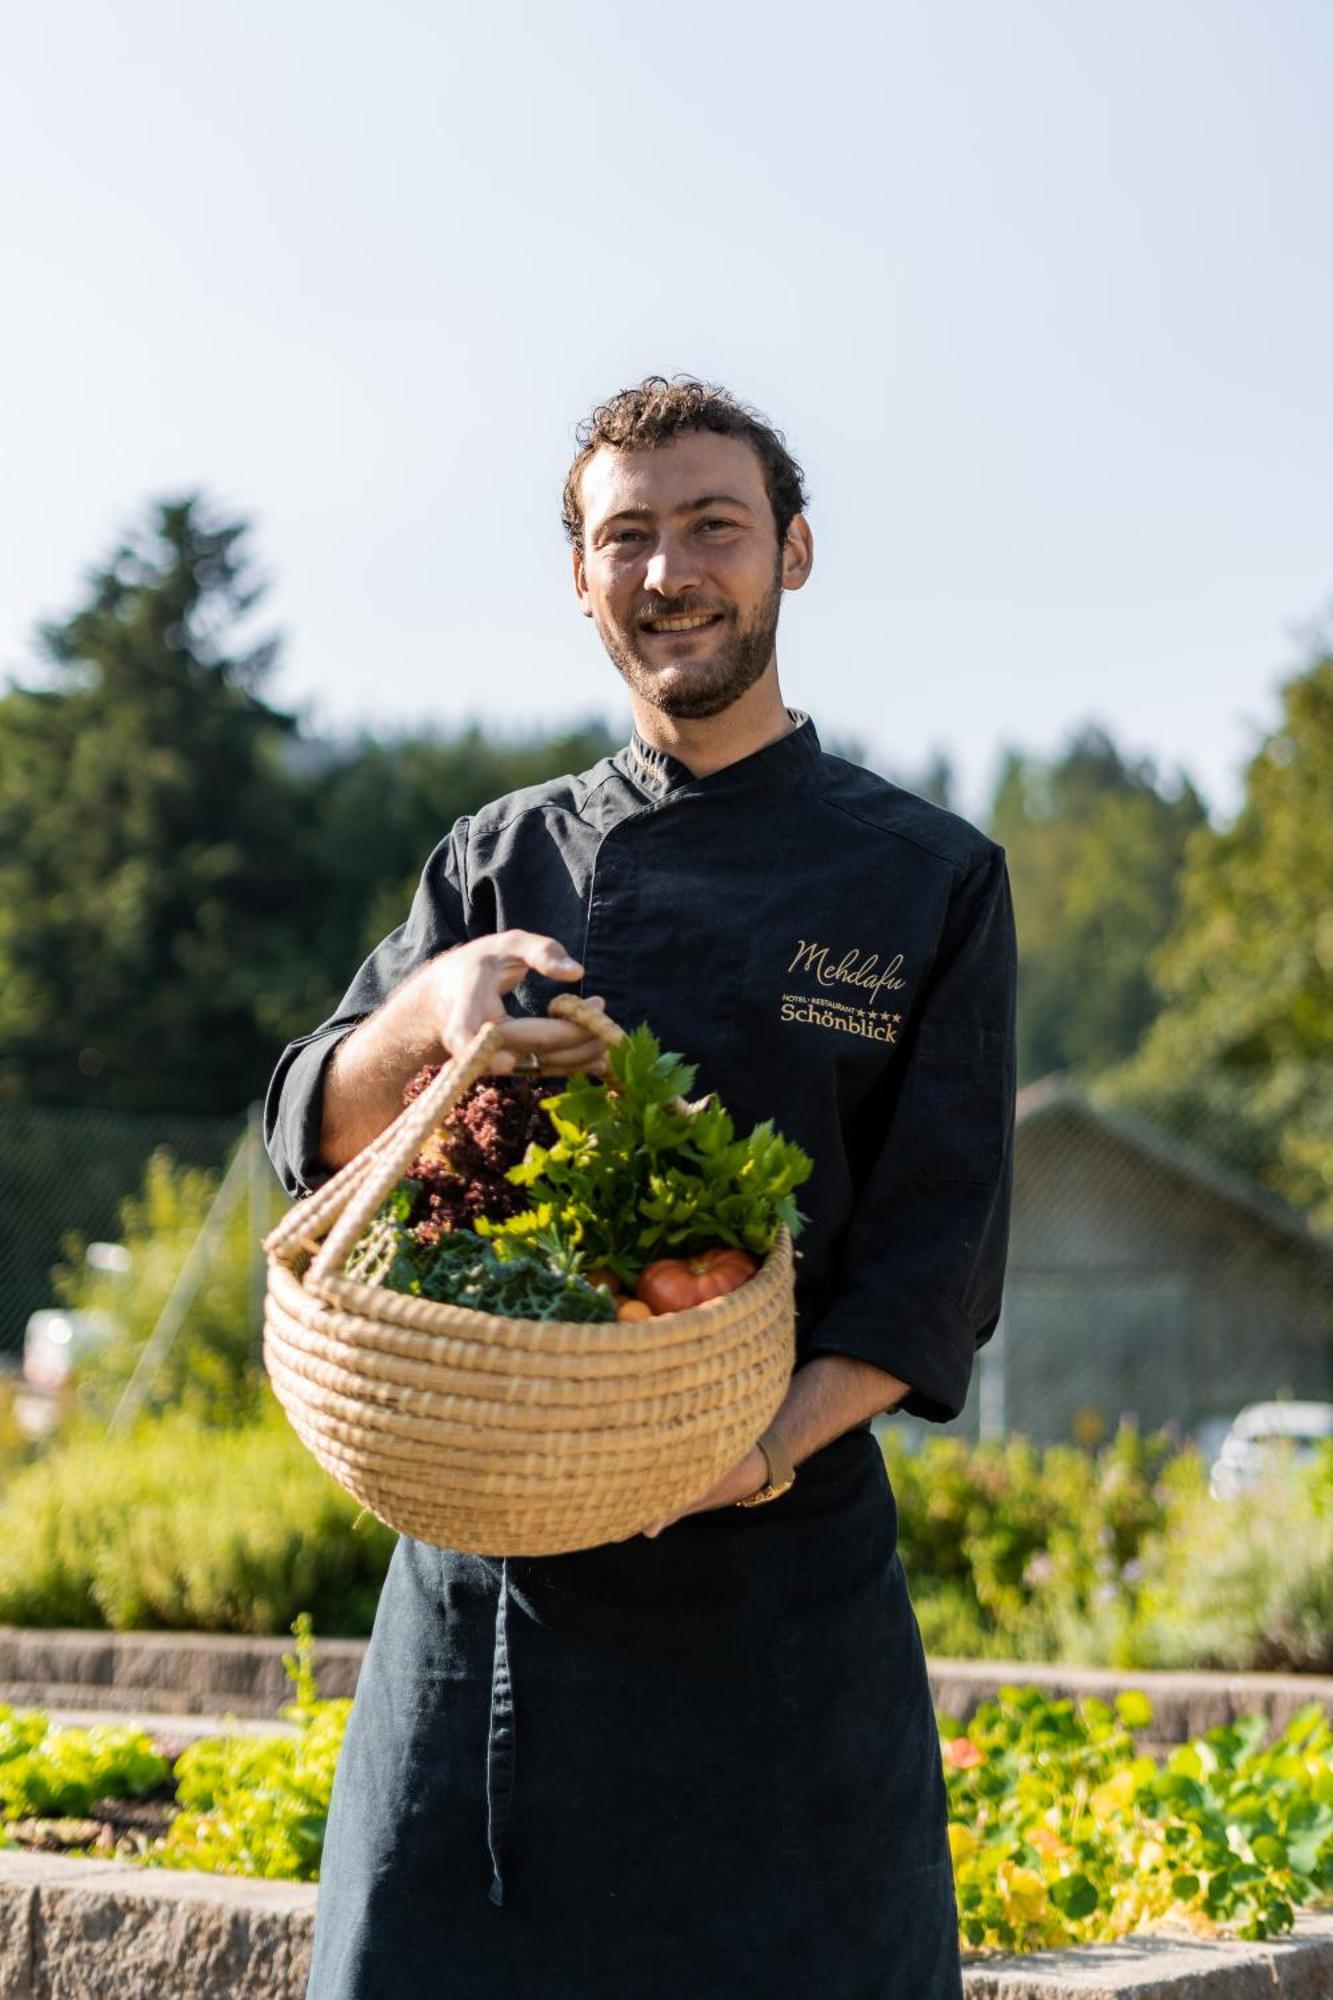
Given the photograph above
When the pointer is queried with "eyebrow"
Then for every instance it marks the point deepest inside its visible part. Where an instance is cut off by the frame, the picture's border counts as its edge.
(687, 507)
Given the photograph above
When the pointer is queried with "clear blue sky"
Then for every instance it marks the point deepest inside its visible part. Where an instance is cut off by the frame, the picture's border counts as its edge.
(1040, 294)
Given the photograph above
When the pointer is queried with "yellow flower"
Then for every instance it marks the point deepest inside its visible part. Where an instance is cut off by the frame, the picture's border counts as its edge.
(1047, 1842)
(962, 1841)
(1111, 1799)
(1022, 1891)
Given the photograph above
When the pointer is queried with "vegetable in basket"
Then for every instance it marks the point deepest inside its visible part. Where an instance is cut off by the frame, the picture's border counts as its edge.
(637, 1174)
(456, 1268)
(636, 1191)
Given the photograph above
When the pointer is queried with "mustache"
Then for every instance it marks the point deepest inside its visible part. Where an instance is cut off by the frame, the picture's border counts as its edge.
(680, 611)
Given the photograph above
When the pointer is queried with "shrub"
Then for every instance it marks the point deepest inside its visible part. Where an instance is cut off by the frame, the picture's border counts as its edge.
(178, 1527)
(1245, 1583)
(212, 1368)
(1015, 1552)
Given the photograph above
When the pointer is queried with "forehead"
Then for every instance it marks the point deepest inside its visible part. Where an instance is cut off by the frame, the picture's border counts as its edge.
(669, 476)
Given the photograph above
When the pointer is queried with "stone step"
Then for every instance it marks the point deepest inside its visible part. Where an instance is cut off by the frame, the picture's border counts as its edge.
(191, 1673)
(86, 1929)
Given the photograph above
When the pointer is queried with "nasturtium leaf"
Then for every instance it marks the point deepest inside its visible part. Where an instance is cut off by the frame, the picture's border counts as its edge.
(1134, 1709)
(1074, 1896)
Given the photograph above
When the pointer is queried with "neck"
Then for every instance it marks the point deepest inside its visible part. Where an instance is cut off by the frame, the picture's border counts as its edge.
(708, 743)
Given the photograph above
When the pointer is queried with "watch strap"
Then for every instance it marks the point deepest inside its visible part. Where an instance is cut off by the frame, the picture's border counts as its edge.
(781, 1471)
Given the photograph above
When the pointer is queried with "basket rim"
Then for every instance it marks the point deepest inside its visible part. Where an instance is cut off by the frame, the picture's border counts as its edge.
(629, 1339)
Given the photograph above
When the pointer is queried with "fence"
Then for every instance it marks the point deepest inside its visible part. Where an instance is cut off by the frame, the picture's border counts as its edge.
(65, 1173)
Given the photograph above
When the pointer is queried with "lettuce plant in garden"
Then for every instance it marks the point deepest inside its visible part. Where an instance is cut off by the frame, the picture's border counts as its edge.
(1063, 1834)
(259, 1805)
(48, 1772)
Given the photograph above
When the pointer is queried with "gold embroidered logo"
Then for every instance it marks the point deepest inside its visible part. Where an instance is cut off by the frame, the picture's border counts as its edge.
(855, 968)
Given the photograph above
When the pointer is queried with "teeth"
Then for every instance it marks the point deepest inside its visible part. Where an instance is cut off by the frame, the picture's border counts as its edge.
(680, 624)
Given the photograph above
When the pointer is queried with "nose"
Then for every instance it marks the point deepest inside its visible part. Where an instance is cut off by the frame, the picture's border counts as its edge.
(671, 568)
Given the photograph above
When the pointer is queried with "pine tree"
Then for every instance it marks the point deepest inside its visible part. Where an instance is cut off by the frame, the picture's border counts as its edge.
(150, 872)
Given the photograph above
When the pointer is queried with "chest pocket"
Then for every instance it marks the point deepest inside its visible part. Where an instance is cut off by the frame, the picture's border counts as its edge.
(960, 1103)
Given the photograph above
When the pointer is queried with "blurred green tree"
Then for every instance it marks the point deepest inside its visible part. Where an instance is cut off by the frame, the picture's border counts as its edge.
(149, 837)
(1241, 1056)
(1095, 846)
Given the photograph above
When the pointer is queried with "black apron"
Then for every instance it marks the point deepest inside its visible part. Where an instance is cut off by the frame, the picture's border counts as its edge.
(701, 1767)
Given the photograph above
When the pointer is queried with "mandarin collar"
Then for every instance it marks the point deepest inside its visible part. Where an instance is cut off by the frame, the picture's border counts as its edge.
(659, 773)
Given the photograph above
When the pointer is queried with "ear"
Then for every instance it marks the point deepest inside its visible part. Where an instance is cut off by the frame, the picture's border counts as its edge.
(798, 554)
(581, 583)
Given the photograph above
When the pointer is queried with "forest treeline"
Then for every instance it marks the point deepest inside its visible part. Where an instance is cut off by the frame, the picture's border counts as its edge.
(186, 879)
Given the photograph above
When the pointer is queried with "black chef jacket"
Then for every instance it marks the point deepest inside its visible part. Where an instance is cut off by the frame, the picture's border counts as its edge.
(839, 956)
(833, 952)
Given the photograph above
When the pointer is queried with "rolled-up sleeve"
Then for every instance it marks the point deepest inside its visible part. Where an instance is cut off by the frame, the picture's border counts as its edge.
(293, 1109)
(920, 1269)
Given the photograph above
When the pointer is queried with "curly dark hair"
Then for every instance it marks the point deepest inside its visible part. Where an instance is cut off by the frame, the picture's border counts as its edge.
(657, 410)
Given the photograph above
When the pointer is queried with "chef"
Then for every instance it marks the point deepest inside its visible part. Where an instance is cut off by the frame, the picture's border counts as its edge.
(700, 1762)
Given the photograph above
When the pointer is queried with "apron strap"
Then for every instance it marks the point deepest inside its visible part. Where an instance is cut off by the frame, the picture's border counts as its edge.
(500, 1742)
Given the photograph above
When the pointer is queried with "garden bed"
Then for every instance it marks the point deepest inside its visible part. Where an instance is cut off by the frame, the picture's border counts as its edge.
(83, 1929)
(189, 1673)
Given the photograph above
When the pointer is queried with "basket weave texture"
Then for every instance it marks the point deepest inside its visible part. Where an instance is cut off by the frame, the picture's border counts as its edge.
(505, 1436)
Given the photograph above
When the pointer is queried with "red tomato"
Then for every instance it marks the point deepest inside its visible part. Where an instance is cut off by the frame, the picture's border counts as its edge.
(672, 1284)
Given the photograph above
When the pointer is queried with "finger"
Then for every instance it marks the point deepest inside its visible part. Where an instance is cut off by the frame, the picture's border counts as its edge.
(584, 1055)
(518, 952)
(551, 1038)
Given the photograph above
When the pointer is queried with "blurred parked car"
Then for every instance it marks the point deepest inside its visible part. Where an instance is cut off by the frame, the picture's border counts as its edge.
(1264, 1435)
(54, 1340)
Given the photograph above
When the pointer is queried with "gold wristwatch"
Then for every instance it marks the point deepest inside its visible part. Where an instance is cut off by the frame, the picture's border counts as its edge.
(781, 1471)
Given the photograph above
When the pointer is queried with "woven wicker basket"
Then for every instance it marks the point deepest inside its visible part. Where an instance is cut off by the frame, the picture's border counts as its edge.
(507, 1436)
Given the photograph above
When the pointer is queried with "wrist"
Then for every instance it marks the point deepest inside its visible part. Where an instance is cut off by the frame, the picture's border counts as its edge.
(756, 1471)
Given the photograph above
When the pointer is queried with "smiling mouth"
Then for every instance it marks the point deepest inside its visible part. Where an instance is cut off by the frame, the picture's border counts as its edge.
(693, 622)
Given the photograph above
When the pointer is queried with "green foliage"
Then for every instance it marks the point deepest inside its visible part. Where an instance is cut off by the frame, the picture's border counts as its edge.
(1240, 1053)
(178, 1527)
(15, 1446)
(1094, 847)
(458, 1269)
(212, 1369)
(633, 1175)
(1245, 1583)
(1063, 1835)
(1015, 1552)
(48, 1772)
(150, 838)
(259, 1805)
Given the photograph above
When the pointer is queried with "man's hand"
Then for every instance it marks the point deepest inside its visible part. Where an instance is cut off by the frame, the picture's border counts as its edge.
(435, 1013)
(743, 1480)
(464, 988)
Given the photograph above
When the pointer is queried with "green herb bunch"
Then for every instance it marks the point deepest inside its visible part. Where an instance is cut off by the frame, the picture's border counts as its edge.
(634, 1174)
(535, 1281)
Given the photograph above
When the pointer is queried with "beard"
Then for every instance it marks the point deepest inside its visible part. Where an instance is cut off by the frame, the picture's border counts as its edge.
(712, 683)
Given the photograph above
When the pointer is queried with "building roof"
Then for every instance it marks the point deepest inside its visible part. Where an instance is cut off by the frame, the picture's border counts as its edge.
(1059, 1094)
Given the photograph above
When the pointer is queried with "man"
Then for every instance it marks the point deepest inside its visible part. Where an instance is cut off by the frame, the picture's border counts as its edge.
(730, 1779)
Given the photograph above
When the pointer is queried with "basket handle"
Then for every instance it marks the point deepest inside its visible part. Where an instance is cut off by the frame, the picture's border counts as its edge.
(398, 1145)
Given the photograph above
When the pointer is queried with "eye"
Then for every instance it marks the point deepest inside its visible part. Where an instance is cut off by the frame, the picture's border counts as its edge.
(627, 534)
(716, 521)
